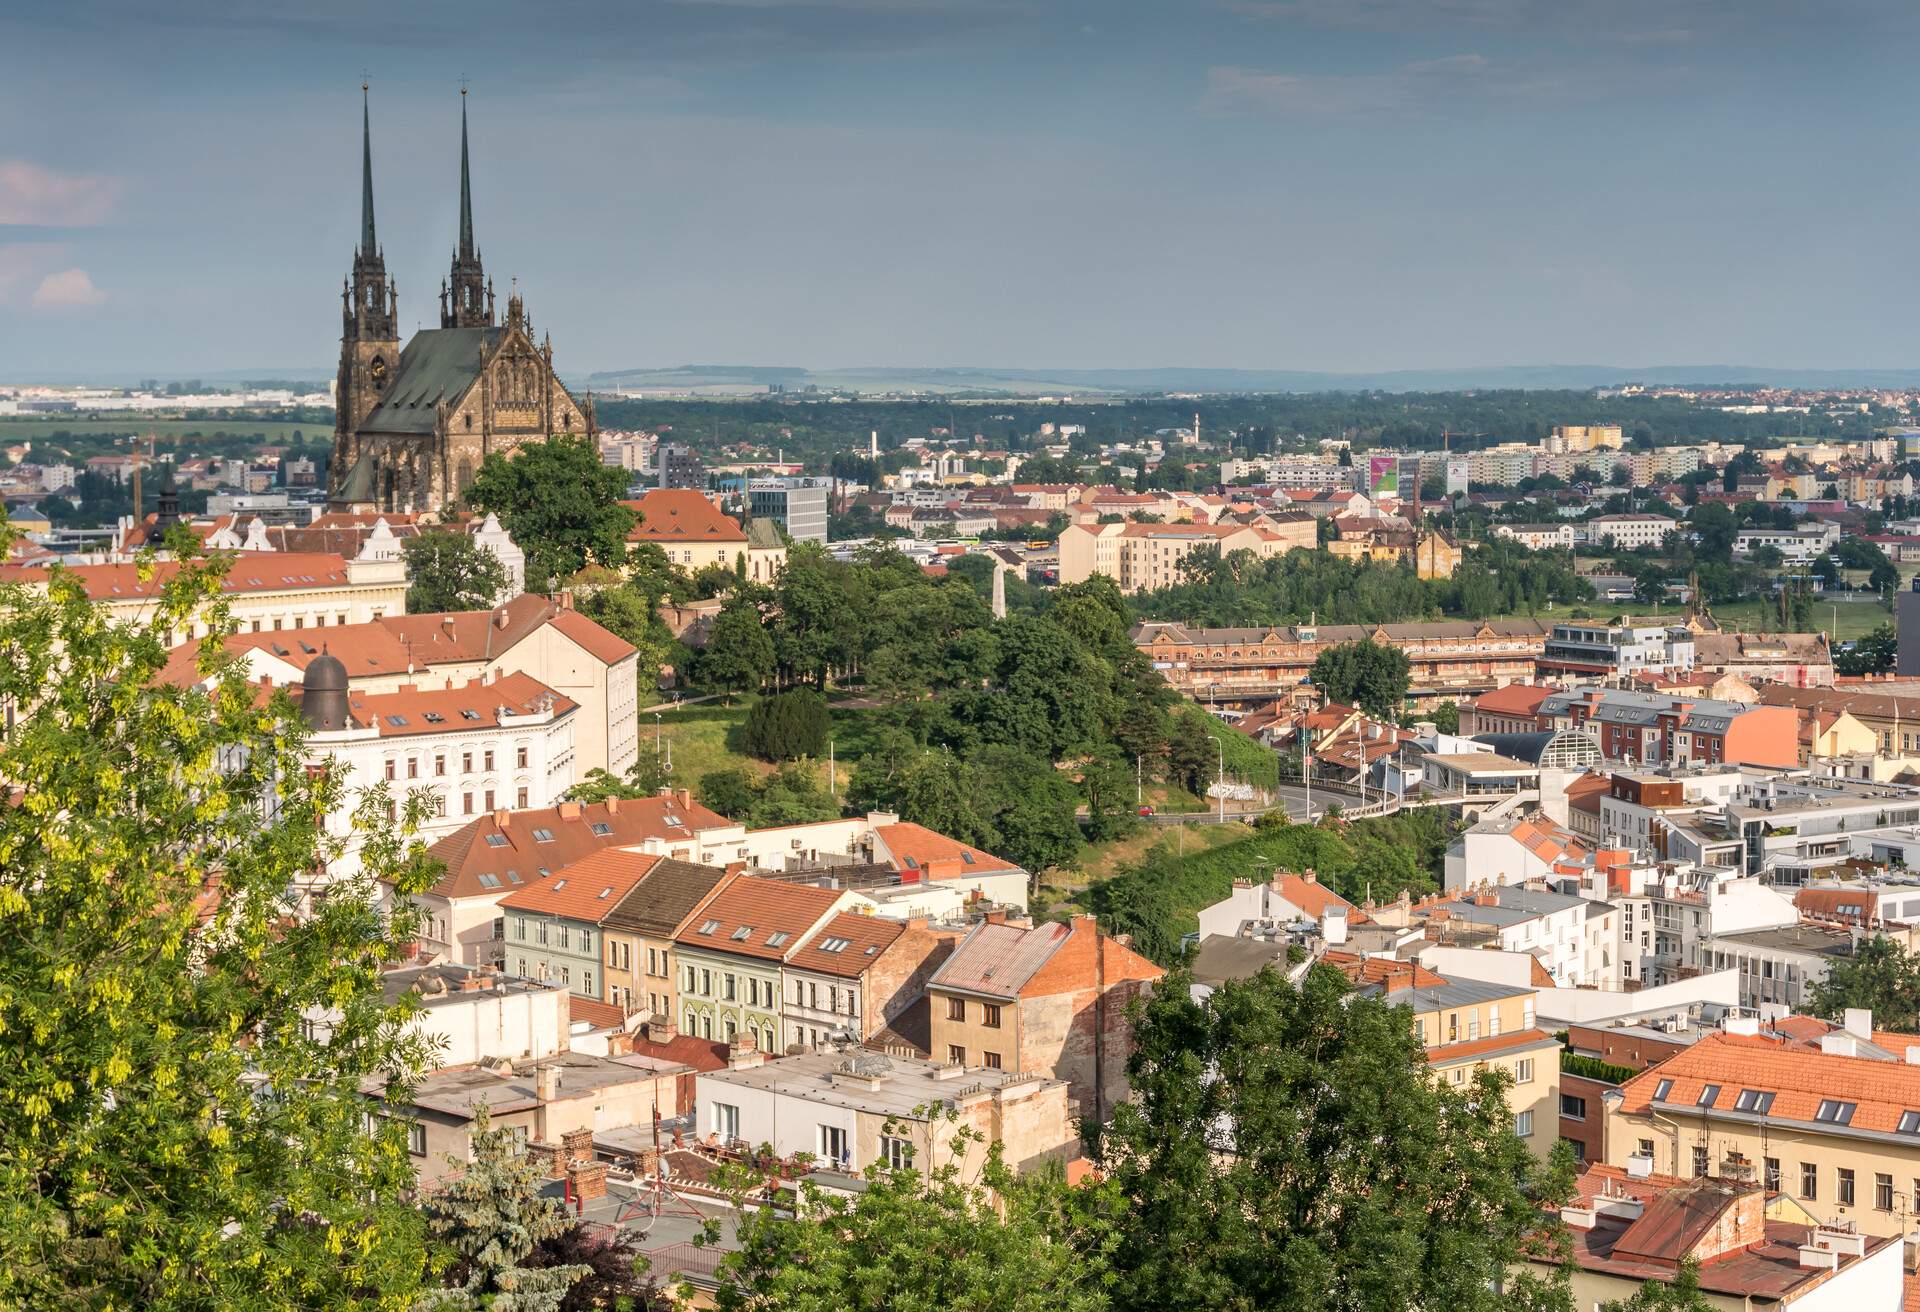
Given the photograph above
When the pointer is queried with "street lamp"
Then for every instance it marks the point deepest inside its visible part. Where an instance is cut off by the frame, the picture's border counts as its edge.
(1220, 780)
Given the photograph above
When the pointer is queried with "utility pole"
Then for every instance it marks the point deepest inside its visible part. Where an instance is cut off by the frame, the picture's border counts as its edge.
(1220, 780)
(831, 781)
(1139, 795)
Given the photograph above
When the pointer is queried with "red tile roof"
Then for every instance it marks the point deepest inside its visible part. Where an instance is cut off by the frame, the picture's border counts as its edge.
(585, 890)
(475, 705)
(749, 917)
(1313, 897)
(254, 571)
(600, 1015)
(1799, 1078)
(506, 848)
(1514, 699)
(861, 940)
(919, 853)
(681, 515)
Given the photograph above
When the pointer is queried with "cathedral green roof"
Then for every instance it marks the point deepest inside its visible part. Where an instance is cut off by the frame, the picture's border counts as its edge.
(359, 484)
(436, 361)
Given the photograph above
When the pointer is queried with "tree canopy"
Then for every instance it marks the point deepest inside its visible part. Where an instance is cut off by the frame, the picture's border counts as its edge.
(1287, 1147)
(172, 1134)
(1364, 674)
(559, 503)
(450, 571)
(1882, 976)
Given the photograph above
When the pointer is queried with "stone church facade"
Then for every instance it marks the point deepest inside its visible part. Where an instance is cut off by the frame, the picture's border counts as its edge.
(412, 426)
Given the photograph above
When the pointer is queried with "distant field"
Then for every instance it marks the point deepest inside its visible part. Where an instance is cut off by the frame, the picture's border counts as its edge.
(269, 430)
(1843, 621)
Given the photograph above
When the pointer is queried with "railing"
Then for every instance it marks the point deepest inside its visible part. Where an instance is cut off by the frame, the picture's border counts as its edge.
(688, 1260)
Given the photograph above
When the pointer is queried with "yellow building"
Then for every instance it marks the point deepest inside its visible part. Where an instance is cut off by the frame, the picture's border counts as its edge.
(1829, 1116)
(1146, 556)
(694, 533)
(1468, 1026)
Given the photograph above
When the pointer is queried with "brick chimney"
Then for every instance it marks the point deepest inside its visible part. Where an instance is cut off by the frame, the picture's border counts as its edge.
(569, 810)
(619, 1044)
(500, 817)
(743, 1053)
(613, 806)
(472, 982)
(659, 1030)
(1311, 875)
(579, 1144)
(683, 797)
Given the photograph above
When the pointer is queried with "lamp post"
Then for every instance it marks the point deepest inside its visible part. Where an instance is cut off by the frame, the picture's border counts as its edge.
(1220, 780)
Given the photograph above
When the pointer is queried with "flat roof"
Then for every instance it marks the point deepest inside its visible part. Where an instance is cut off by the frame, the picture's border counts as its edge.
(1482, 763)
(1814, 940)
(892, 1085)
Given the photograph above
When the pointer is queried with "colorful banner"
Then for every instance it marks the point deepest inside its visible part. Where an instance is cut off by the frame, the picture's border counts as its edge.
(1383, 476)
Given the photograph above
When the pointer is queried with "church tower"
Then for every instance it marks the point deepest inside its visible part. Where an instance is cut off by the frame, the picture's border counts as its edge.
(369, 327)
(466, 299)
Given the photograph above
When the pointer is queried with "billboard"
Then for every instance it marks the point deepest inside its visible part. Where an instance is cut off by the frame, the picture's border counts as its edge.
(1457, 467)
(1383, 476)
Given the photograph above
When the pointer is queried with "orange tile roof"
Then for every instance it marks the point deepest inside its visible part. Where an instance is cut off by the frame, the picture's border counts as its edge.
(1471, 1049)
(251, 571)
(476, 705)
(764, 909)
(1799, 1077)
(1514, 699)
(1393, 973)
(1313, 897)
(865, 938)
(920, 853)
(600, 1015)
(506, 847)
(681, 515)
(585, 890)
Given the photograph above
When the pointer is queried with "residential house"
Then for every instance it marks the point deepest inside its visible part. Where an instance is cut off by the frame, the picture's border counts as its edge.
(1575, 939)
(855, 976)
(638, 932)
(693, 532)
(731, 955)
(1470, 1025)
(1749, 1247)
(554, 923)
(1285, 898)
(1043, 998)
(502, 850)
(850, 1111)
(1835, 1123)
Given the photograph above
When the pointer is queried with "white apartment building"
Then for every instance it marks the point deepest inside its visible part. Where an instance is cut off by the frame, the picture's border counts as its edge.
(1538, 537)
(1630, 532)
(486, 745)
(1575, 940)
(1798, 545)
(1667, 920)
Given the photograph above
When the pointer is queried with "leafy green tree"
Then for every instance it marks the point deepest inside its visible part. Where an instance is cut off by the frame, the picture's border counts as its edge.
(951, 1238)
(172, 1136)
(1874, 653)
(1882, 976)
(1446, 716)
(616, 1277)
(739, 656)
(1107, 784)
(560, 504)
(730, 792)
(1364, 674)
(787, 726)
(491, 1217)
(1289, 1147)
(1681, 1294)
(449, 571)
(644, 778)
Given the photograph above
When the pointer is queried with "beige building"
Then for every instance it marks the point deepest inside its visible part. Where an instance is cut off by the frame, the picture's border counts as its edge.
(694, 533)
(543, 638)
(1144, 556)
(850, 1110)
(1469, 1026)
(266, 592)
(1828, 1116)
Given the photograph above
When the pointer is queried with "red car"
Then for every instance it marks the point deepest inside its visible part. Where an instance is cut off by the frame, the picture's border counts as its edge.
(1144, 810)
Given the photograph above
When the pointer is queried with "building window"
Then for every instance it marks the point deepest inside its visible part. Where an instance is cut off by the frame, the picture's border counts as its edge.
(390, 773)
(956, 1054)
(1883, 1192)
(586, 982)
(726, 1120)
(896, 1153)
(992, 1060)
(1523, 1071)
(1771, 1173)
(413, 767)
(1523, 1124)
(417, 1140)
(990, 1015)
(833, 1143)
(466, 803)
(726, 987)
(466, 763)
(489, 799)
(1646, 1149)
(521, 799)
(956, 1008)
(440, 764)
(1699, 1161)
(1846, 1186)
(1809, 1182)
(1572, 1108)
(520, 758)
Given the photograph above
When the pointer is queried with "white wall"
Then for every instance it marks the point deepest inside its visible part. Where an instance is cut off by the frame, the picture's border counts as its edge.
(478, 1026)
(1872, 1284)
(1591, 1006)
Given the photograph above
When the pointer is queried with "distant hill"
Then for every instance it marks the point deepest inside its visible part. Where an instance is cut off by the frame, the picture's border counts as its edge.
(1173, 379)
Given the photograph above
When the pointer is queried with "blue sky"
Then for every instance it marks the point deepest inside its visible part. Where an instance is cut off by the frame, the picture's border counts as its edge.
(1286, 184)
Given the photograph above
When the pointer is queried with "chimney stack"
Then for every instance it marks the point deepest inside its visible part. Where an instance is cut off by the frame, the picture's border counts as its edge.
(546, 1083)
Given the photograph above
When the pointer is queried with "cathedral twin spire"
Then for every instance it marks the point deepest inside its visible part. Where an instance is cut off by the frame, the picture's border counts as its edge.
(372, 304)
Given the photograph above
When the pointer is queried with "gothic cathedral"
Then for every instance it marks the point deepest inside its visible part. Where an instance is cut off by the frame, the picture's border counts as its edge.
(412, 426)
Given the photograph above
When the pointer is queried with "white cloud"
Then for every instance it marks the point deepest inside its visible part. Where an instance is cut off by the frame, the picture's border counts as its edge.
(1233, 90)
(67, 289)
(21, 262)
(33, 195)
